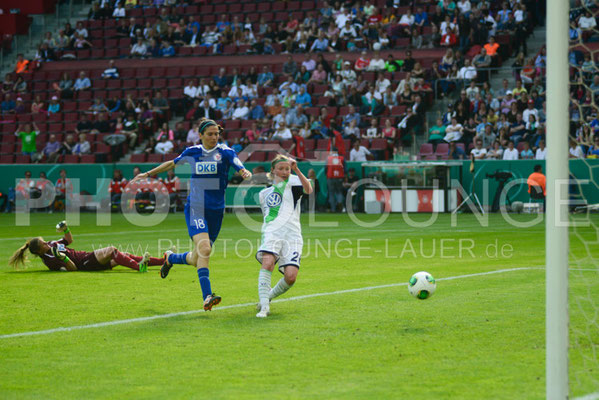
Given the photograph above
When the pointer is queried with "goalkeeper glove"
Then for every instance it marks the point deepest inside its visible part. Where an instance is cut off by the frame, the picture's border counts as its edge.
(58, 254)
(62, 227)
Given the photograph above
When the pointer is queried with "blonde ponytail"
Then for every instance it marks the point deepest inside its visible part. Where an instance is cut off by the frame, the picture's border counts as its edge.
(19, 258)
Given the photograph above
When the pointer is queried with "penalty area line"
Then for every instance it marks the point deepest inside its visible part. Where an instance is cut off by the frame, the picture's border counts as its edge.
(191, 312)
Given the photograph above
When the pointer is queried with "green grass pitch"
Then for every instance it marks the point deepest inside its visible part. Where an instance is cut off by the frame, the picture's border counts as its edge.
(478, 337)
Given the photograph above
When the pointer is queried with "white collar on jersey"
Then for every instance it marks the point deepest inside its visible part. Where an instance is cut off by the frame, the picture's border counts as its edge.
(218, 146)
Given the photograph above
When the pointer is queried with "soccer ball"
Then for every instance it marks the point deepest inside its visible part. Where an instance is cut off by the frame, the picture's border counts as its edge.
(422, 285)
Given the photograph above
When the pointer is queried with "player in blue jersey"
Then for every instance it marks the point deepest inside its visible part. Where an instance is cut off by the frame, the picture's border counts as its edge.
(210, 163)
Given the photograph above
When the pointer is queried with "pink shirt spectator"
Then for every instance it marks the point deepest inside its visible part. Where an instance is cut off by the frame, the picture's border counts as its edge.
(319, 76)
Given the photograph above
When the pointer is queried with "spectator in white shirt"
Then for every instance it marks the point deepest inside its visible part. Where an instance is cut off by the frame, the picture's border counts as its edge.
(358, 152)
(454, 131)
(541, 153)
(82, 82)
(242, 111)
(351, 131)
(479, 152)
(587, 21)
(381, 83)
(472, 91)
(510, 153)
(119, 11)
(575, 150)
(373, 131)
(208, 99)
(83, 146)
(377, 63)
(193, 136)
(165, 146)
(348, 31)
(111, 71)
(139, 49)
(349, 75)
(464, 6)
(191, 90)
(282, 132)
(468, 71)
(342, 18)
(531, 110)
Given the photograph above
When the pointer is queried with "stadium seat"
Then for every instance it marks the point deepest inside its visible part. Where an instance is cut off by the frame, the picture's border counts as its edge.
(257, 156)
(7, 159)
(442, 150)
(71, 159)
(323, 144)
(426, 149)
(155, 158)
(87, 159)
(378, 144)
(138, 158)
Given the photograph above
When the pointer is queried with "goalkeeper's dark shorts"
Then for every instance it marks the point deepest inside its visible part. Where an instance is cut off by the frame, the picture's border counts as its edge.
(89, 262)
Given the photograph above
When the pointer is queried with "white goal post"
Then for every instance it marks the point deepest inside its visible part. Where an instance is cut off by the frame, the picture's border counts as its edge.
(556, 243)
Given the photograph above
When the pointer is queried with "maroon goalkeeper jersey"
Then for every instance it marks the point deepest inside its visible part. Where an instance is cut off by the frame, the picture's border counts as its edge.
(53, 263)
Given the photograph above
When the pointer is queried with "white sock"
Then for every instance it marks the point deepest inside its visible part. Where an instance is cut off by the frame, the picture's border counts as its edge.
(264, 286)
(280, 288)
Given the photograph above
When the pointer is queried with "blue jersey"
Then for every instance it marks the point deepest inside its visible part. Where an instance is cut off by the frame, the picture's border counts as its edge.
(209, 174)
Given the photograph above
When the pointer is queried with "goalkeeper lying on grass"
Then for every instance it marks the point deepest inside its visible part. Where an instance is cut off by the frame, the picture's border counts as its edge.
(58, 257)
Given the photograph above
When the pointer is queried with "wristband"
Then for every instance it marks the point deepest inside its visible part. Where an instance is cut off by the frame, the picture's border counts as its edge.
(66, 231)
(66, 259)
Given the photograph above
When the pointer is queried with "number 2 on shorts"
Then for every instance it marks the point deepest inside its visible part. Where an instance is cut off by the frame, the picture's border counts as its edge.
(295, 257)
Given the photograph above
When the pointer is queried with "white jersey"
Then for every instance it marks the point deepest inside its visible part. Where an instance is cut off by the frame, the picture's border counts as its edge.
(280, 205)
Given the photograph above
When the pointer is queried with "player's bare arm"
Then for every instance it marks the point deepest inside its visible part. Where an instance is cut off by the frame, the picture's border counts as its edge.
(305, 182)
(165, 166)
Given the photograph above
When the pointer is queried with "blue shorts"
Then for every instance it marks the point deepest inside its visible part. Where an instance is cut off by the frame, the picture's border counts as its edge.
(201, 220)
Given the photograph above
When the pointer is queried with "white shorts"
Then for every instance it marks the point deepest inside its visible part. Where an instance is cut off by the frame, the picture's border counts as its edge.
(287, 248)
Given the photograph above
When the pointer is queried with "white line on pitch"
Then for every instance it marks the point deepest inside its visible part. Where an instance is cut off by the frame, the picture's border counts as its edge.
(103, 234)
(182, 313)
(590, 396)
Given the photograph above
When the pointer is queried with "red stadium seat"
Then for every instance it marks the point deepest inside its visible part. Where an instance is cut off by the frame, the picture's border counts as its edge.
(257, 156)
(426, 149)
(442, 149)
(278, 6)
(71, 159)
(7, 148)
(249, 7)
(232, 124)
(22, 159)
(7, 159)
(378, 144)
(155, 158)
(88, 159)
(263, 7)
(138, 158)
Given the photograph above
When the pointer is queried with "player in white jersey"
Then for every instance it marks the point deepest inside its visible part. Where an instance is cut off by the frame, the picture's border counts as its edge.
(281, 232)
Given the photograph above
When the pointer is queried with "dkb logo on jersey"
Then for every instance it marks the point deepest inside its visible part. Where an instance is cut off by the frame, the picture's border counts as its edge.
(273, 199)
(206, 167)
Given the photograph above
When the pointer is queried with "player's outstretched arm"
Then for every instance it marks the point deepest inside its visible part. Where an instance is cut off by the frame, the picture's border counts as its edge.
(165, 166)
(63, 227)
(245, 174)
(305, 182)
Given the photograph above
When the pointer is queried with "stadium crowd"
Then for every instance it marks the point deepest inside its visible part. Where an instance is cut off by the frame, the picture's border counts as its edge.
(313, 98)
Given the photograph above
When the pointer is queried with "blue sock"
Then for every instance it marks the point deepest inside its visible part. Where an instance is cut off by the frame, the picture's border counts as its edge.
(178, 258)
(203, 274)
